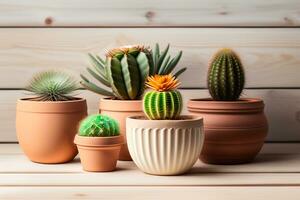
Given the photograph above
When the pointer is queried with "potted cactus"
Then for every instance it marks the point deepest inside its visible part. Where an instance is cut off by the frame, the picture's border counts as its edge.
(164, 142)
(123, 73)
(99, 143)
(46, 123)
(235, 128)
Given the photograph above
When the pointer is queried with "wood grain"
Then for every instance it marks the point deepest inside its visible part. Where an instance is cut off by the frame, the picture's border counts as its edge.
(271, 56)
(282, 110)
(151, 193)
(149, 13)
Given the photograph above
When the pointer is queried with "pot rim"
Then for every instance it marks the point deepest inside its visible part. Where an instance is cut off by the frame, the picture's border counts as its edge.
(99, 141)
(187, 121)
(71, 106)
(110, 104)
(243, 104)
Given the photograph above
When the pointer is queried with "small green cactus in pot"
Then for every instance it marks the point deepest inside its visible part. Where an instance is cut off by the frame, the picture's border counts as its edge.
(99, 126)
(164, 102)
(226, 77)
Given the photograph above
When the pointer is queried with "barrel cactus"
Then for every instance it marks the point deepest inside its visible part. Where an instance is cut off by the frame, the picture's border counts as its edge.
(226, 77)
(164, 102)
(99, 126)
(126, 69)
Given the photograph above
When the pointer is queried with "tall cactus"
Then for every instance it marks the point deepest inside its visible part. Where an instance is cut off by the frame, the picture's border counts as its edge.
(226, 77)
(165, 102)
(124, 71)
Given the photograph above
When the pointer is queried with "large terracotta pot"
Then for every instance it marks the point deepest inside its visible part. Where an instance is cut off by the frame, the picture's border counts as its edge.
(120, 110)
(165, 147)
(46, 130)
(234, 130)
(99, 154)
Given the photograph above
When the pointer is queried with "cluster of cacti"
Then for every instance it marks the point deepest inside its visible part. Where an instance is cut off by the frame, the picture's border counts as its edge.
(99, 126)
(164, 102)
(126, 69)
(226, 76)
(52, 86)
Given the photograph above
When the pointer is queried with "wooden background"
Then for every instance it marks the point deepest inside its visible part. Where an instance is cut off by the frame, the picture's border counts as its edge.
(43, 34)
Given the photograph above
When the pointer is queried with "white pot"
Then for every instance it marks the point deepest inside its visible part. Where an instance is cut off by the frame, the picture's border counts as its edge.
(165, 147)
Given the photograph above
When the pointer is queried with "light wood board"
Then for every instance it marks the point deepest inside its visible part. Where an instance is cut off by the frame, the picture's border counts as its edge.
(282, 110)
(149, 13)
(265, 178)
(271, 57)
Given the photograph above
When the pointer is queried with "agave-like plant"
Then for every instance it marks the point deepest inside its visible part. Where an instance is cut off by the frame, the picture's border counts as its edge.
(126, 69)
(52, 86)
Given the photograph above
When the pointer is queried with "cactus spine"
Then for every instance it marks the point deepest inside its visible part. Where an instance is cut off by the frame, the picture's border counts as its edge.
(99, 126)
(226, 76)
(165, 102)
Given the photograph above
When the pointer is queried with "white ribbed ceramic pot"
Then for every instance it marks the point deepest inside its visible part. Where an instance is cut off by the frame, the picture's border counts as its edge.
(165, 147)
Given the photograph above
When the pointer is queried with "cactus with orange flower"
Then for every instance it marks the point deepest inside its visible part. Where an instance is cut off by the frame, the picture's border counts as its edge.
(164, 101)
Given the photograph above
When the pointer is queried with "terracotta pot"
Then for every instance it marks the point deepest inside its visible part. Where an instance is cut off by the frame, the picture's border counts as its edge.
(99, 154)
(234, 130)
(165, 147)
(46, 130)
(120, 110)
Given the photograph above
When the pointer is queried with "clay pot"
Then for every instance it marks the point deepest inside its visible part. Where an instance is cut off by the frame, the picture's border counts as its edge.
(120, 110)
(46, 129)
(234, 130)
(99, 154)
(165, 147)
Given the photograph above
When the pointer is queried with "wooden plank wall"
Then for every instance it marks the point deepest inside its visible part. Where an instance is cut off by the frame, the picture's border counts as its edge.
(36, 35)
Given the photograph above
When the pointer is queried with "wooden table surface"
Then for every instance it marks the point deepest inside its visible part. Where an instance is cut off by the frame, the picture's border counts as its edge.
(275, 174)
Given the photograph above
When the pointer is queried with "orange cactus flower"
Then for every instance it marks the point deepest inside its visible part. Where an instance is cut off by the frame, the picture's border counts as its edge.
(162, 83)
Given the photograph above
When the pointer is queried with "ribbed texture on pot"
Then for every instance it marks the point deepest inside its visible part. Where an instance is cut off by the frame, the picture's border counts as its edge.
(165, 151)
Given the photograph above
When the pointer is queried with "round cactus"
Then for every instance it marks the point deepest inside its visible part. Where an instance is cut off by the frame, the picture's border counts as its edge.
(99, 126)
(226, 76)
(164, 102)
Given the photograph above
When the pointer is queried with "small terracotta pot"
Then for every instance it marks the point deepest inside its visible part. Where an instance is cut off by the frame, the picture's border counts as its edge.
(165, 147)
(234, 130)
(99, 154)
(46, 130)
(120, 110)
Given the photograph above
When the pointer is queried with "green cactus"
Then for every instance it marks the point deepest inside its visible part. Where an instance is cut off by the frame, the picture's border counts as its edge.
(126, 69)
(164, 102)
(99, 126)
(226, 76)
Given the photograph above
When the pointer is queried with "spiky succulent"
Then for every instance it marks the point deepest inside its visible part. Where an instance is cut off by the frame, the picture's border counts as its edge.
(126, 69)
(162, 62)
(52, 86)
(99, 126)
(164, 102)
(226, 77)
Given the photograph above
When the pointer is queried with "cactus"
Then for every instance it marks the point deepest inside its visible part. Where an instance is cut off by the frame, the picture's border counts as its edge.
(124, 71)
(99, 126)
(226, 76)
(165, 102)
(52, 86)
(127, 68)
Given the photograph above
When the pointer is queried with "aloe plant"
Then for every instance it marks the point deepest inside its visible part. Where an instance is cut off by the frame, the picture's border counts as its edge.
(52, 86)
(99, 126)
(126, 69)
(226, 77)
